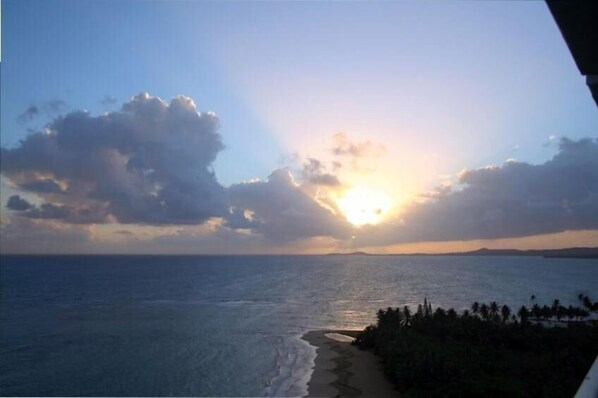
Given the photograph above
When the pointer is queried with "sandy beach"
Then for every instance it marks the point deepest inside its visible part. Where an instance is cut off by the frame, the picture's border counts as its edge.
(343, 370)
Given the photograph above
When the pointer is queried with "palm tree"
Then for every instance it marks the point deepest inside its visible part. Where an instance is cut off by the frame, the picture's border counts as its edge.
(556, 309)
(406, 316)
(439, 313)
(546, 312)
(451, 313)
(475, 308)
(560, 312)
(523, 314)
(484, 312)
(583, 313)
(505, 312)
(570, 312)
(493, 310)
(556, 303)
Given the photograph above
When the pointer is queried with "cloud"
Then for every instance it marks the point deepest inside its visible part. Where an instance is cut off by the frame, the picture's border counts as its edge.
(42, 185)
(224, 240)
(150, 162)
(50, 211)
(28, 236)
(54, 106)
(108, 100)
(315, 173)
(46, 211)
(239, 218)
(30, 113)
(15, 202)
(49, 108)
(281, 211)
(343, 146)
(514, 200)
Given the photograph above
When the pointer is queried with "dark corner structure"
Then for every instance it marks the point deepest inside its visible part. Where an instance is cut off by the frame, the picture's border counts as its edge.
(578, 22)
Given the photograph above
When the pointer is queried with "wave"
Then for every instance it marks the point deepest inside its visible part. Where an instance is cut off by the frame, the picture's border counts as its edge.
(295, 363)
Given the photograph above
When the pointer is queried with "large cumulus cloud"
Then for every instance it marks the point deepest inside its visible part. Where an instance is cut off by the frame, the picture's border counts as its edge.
(281, 211)
(513, 200)
(150, 162)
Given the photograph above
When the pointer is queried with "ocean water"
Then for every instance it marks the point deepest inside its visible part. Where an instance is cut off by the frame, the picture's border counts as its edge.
(226, 325)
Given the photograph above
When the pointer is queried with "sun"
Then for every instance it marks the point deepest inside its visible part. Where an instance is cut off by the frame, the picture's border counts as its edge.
(364, 206)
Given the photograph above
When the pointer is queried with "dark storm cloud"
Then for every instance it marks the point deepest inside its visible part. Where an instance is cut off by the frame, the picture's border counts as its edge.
(15, 202)
(42, 185)
(150, 162)
(315, 173)
(49, 211)
(514, 200)
(238, 219)
(281, 211)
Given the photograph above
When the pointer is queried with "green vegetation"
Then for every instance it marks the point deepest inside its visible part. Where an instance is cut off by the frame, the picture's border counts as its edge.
(487, 351)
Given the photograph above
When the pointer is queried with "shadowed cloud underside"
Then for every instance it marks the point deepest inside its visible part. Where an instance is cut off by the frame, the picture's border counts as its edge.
(150, 165)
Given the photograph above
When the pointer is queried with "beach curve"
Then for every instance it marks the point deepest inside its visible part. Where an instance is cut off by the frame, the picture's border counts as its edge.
(344, 370)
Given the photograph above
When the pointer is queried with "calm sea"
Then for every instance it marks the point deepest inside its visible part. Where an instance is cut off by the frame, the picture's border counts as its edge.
(220, 325)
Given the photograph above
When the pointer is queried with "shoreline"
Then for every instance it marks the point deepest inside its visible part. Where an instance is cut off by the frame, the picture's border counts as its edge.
(343, 370)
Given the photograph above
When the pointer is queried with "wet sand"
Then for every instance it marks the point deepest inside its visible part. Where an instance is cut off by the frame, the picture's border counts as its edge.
(343, 370)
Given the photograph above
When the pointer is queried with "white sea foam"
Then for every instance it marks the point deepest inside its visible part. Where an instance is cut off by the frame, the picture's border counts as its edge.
(343, 338)
(296, 362)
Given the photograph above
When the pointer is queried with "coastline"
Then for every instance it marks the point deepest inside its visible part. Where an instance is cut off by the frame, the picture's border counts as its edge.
(343, 370)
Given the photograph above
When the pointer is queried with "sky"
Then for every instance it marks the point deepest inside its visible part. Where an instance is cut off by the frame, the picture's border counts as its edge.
(292, 127)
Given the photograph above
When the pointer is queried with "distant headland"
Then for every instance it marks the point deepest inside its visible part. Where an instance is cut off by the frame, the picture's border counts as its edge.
(571, 252)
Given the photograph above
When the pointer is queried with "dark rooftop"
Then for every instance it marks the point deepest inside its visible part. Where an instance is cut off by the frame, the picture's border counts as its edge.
(578, 22)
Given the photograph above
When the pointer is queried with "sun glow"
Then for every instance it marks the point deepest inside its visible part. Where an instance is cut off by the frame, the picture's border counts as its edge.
(364, 206)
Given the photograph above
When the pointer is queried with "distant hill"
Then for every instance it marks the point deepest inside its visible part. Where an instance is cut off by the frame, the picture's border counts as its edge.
(353, 254)
(571, 252)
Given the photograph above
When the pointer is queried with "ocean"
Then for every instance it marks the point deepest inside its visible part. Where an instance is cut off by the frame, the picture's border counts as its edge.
(227, 325)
